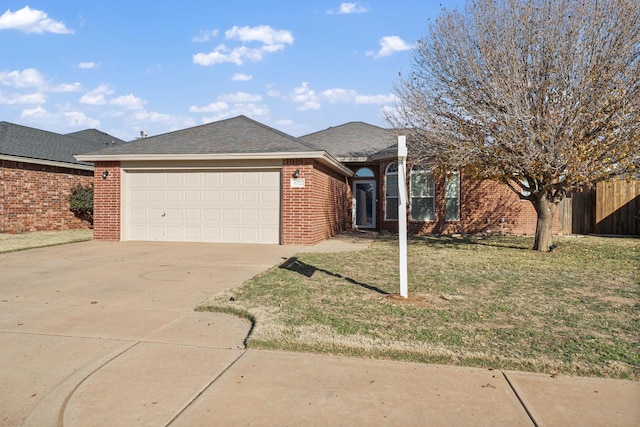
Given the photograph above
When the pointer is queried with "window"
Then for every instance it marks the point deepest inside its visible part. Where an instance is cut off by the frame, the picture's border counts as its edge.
(364, 173)
(452, 190)
(422, 194)
(391, 192)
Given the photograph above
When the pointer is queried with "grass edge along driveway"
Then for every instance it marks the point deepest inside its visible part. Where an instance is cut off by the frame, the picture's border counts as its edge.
(473, 301)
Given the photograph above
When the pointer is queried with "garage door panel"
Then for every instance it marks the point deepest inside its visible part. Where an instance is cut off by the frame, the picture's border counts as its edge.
(211, 215)
(230, 215)
(209, 206)
(231, 178)
(157, 179)
(192, 195)
(250, 215)
(211, 196)
(193, 215)
(155, 195)
(231, 196)
(174, 195)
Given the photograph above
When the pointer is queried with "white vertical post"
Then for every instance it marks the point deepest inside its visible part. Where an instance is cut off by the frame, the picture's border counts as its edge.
(402, 213)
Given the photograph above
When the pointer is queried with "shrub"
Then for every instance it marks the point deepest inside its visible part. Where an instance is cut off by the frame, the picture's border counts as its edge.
(81, 201)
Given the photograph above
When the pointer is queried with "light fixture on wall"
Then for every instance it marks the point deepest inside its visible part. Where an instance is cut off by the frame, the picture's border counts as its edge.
(105, 174)
(296, 173)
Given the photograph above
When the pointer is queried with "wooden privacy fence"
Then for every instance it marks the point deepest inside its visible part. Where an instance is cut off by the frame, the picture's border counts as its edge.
(618, 207)
(611, 208)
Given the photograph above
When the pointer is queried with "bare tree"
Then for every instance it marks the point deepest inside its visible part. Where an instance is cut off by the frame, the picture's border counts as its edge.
(542, 96)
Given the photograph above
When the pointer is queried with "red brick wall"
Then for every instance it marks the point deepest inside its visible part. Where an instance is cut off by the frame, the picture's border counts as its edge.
(106, 202)
(485, 206)
(319, 210)
(34, 197)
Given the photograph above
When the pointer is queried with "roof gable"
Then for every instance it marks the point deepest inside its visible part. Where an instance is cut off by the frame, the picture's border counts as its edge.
(29, 143)
(235, 135)
(353, 140)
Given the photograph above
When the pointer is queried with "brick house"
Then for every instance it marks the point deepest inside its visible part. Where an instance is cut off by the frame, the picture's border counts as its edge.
(240, 181)
(37, 172)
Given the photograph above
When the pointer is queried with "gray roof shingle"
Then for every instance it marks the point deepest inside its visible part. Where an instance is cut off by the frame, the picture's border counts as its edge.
(352, 140)
(29, 143)
(235, 135)
(97, 136)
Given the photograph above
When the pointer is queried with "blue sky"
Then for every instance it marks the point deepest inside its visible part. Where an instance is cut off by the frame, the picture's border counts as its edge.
(127, 66)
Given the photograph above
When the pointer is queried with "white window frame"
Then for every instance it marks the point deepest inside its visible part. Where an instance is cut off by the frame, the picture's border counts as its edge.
(452, 195)
(391, 196)
(422, 192)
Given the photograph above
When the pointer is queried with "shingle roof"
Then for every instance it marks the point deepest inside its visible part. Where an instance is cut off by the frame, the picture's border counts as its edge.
(235, 135)
(97, 136)
(30, 143)
(352, 140)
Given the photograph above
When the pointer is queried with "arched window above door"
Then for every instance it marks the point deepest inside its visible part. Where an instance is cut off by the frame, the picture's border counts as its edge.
(364, 173)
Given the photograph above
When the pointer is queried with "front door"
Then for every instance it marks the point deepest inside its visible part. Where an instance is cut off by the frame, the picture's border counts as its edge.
(364, 204)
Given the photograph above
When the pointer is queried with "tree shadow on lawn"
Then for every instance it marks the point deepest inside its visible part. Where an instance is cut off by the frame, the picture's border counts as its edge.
(294, 264)
(466, 240)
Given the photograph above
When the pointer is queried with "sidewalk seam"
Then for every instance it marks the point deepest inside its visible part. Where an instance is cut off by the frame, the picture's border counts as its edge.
(224, 371)
(71, 393)
(520, 399)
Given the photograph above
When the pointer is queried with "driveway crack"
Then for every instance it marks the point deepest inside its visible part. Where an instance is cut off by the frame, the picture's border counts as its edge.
(520, 400)
(224, 371)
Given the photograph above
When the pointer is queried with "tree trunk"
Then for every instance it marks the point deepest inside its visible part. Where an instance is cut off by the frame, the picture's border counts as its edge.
(545, 209)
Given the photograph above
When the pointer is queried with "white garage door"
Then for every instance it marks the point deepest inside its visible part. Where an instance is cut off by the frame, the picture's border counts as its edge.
(202, 206)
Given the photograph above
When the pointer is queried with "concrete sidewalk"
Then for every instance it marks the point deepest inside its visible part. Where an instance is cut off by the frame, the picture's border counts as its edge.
(104, 334)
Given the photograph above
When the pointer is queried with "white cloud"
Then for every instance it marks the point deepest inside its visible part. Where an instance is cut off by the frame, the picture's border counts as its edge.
(205, 36)
(22, 99)
(272, 41)
(390, 45)
(129, 101)
(339, 95)
(284, 122)
(31, 21)
(311, 100)
(214, 107)
(375, 99)
(80, 120)
(233, 104)
(249, 110)
(241, 77)
(347, 8)
(240, 97)
(307, 97)
(29, 77)
(87, 65)
(96, 96)
(262, 33)
(35, 113)
(65, 118)
(66, 87)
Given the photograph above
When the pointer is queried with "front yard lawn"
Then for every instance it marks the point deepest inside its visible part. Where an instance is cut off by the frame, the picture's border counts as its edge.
(485, 302)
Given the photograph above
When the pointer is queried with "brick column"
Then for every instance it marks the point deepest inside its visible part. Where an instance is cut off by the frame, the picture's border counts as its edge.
(106, 202)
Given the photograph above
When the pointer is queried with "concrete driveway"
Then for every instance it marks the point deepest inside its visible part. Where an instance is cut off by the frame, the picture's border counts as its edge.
(104, 334)
(70, 315)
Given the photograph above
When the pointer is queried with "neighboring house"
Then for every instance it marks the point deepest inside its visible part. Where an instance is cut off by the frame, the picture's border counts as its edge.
(37, 172)
(240, 181)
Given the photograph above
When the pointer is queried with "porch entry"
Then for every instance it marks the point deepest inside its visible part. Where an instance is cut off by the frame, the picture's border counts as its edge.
(364, 204)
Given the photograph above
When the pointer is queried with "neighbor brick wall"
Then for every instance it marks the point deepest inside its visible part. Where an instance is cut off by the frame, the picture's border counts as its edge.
(106, 202)
(485, 206)
(319, 210)
(35, 197)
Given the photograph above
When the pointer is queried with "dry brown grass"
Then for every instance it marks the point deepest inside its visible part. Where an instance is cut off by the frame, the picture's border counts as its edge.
(478, 302)
(38, 239)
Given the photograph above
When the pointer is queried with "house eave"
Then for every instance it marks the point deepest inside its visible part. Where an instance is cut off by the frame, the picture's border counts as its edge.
(321, 156)
(45, 162)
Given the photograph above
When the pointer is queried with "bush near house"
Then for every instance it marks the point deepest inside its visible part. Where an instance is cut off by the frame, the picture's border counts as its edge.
(81, 202)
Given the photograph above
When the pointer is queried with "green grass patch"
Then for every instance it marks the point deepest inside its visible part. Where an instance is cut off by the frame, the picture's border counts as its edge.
(485, 302)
